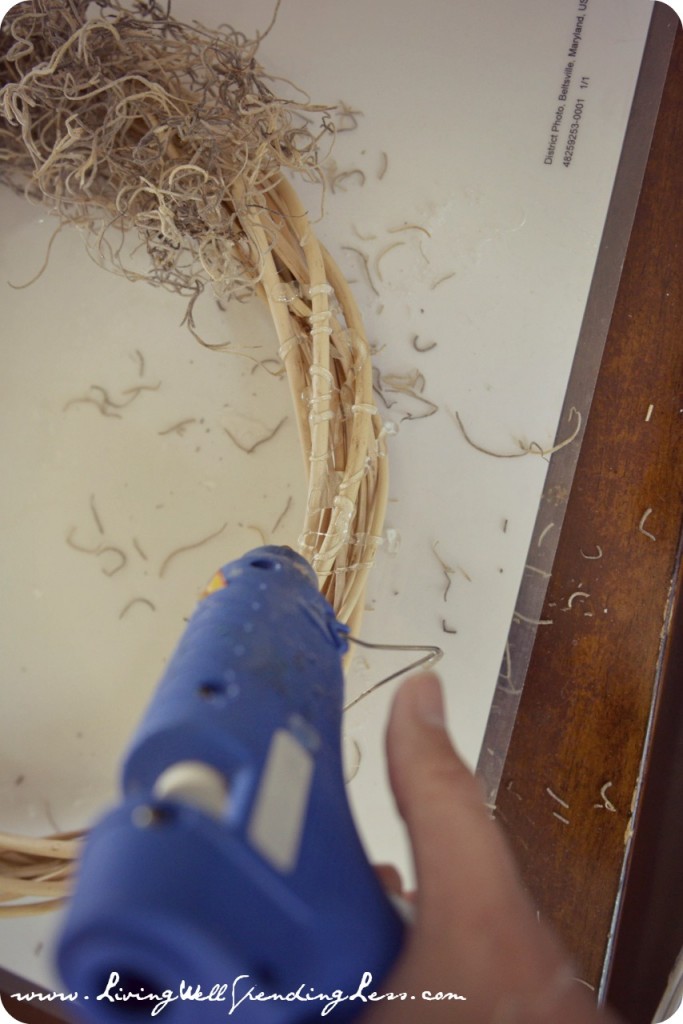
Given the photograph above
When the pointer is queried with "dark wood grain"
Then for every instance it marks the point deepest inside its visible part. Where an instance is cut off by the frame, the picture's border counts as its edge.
(596, 676)
(650, 933)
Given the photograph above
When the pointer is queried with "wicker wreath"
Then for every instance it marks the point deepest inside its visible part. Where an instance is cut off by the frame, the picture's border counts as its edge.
(133, 120)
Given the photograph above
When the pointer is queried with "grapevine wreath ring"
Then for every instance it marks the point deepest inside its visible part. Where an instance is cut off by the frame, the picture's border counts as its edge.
(125, 119)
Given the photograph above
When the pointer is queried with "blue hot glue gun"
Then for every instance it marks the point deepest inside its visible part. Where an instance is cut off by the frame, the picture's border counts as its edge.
(230, 882)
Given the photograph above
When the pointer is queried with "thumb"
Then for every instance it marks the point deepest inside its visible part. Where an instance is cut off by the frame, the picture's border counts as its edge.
(457, 848)
(475, 927)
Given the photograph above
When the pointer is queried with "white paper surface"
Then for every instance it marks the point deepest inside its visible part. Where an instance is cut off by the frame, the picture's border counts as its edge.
(458, 103)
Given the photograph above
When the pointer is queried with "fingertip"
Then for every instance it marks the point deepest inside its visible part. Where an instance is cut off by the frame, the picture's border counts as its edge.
(421, 697)
(418, 742)
(418, 719)
(436, 793)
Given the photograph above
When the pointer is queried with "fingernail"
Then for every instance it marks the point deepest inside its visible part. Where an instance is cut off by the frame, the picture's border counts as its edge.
(430, 705)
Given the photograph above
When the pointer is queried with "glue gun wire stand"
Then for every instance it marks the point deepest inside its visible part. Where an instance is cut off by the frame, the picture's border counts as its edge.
(233, 851)
(432, 656)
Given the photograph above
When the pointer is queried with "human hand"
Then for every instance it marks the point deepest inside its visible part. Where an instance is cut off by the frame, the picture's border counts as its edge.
(475, 931)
